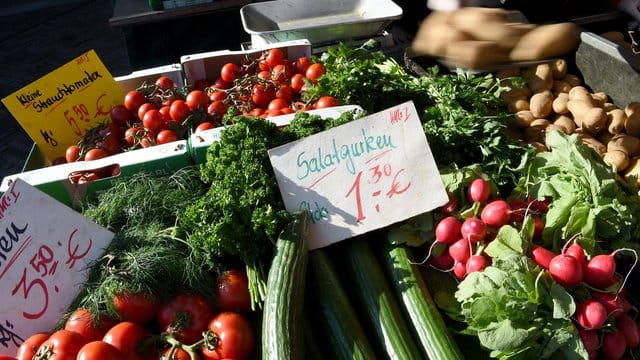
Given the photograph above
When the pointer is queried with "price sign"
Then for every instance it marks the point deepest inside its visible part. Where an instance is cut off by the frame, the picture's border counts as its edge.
(45, 252)
(58, 109)
(360, 176)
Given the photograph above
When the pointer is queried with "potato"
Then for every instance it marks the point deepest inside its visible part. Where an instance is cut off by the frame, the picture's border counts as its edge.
(540, 104)
(632, 123)
(559, 104)
(616, 119)
(565, 123)
(632, 107)
(572, 80)
(560, 86)
(633, 170)
(604, 137)
(590, 118)
(618, 159)
(628, 144)
(600, 98)
(539, 78)
(522, 119)
(580, 92)
(593, 143)
(506, 35)
(609, 106)
(518, 105)
(515, 94)
(469, 18)
(508, 73)
(435, 34)
(559, 68)
(538, 146)
(546, 41)
(537, 132)
(475, 54)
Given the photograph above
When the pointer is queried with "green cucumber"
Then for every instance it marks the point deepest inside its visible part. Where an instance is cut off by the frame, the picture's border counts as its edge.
(416, 302)
(329, 307)
(381, 310)
(282, 319)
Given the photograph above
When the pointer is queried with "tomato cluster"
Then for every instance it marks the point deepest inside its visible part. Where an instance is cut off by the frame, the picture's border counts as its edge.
(191, 326)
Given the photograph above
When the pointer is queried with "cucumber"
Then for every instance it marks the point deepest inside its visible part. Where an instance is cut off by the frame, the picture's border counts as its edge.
(282, 318)
(416, 302)
(381, 310)
(328, 305)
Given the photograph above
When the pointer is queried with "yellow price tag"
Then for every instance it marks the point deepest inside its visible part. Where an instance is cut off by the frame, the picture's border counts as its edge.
(58, 109)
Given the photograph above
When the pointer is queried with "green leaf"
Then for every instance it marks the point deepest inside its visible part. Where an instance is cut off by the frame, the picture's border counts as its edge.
(563, 304)
(504, 336)
(508, 240)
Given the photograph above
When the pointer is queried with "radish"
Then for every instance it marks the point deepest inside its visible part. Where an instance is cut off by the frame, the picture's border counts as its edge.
(589, 339)
(473, 229)
(591, 314)
(600, 270)
(459, 270)
(476, 263)
(565, 270)
(577, 252)
(479, 191)
(538, 226)
(615, 304)
(614, 345)
(448, 229)
(496, 213)
(451, 206)
(542, 256)
(518, 210)
(460, 250)
(629, 328)
(442, 262)
(538, 206)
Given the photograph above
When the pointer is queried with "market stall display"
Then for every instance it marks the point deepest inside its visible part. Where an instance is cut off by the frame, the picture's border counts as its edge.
(531, 254)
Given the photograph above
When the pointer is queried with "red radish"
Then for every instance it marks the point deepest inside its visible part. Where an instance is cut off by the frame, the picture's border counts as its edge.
(615, 304)
(460, 250)
(448, 229)
(473, 229)
(538, 226)
(459, 270)
(565, 270)
(479, 190)
(542, 256)
(629, 328)
(591, 314)
(539, 206)
(600, 270)
(577, 252)
(476, 263)
(442, 262)
(496, 213)
(518, 210)
(589, 339)
(451, 206)
(614, 345)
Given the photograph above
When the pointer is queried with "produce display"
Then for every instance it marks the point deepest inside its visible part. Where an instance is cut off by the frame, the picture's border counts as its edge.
(531, 258)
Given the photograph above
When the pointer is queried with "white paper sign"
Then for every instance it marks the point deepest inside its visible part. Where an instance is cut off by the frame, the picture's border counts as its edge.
(360, 176)
(45, 251)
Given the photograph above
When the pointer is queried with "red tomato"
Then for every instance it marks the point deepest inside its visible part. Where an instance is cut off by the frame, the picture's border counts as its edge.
(221, 84)
(281, 73)
(197, 99)
(165, 83)
(186, 316)
(218, 95)
(153, 120)
(261, 95)
(229, 72)
(133, 100)
(325, 102)
(217, 107)
(201, 84)
(285, 92)
(274, 57)
(301, 65)
(85, 324)
(166, 114)
(111, 143)
(297, 82)
(95, 154)
(205, 125)
(263, 66)
(256, 112)
(277, 104)
(120, 115)
(232, 291)
(315, 71)
(29, 347)
(99, 350)
(72, 153)
(166, 136)
(62, 345)
(131, 339)
(264, 75)
(178, 354)
(144, 108)
(287, 110)
(179, 110)
(235, 338)
(134, 135)
(136, 307)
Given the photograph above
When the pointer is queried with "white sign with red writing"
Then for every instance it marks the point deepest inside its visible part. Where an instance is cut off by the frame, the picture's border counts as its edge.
(45, 252)
(360, 176)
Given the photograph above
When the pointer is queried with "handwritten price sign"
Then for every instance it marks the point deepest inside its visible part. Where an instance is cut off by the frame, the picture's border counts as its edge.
(59, 108)
(44, 261)
(360, 176)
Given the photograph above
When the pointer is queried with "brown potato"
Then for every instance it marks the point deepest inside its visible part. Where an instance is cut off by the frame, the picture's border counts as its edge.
(632, 107)
(593, 143)
(600, 98)
(616, 119)
(539, 78)
(632, 123)
(559, 104)
(474, 54)
(628, 144)
(518, 105)
(540, 104)
(609, 106)
(560, 87)
(565, 123)
(633, 170)
(590, 118)
(522, 119)
(546, 41)
(572, 80)
(559, 68)
(618, 159)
